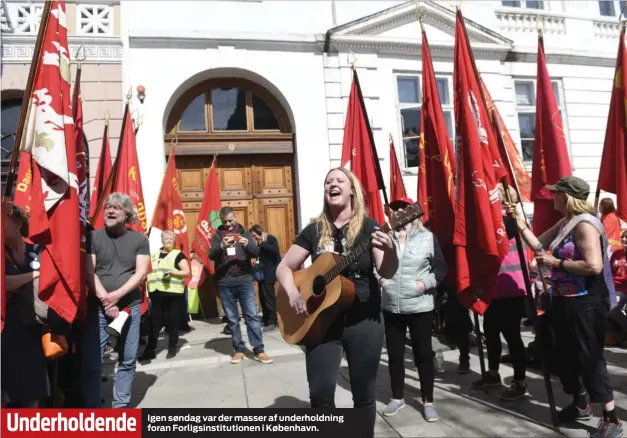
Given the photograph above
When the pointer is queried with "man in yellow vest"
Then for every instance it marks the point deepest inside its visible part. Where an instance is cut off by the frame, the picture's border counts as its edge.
(166, 288)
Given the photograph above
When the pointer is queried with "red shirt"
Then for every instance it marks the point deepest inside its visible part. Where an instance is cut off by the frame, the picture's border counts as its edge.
(618, 261)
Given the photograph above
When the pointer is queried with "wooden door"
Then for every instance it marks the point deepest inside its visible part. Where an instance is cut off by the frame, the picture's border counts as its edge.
(260, 189)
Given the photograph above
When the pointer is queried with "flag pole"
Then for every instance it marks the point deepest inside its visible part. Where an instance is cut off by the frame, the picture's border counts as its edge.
(25, 109)
(474, 66)
(371, 137)
(113, 175)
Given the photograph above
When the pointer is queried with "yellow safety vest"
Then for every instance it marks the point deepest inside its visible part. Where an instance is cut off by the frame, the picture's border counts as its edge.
(160, 267)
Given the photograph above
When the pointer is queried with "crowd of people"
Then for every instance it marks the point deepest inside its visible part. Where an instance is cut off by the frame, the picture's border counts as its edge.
(581, 260)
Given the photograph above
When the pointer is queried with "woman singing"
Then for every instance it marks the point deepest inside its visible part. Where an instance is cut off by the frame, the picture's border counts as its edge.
(408, 302)
(359, 333)
(580, 283)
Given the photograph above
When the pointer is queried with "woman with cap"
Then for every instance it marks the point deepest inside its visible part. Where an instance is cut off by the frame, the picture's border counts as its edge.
(581, 287)
(408, 302)
(24, 366)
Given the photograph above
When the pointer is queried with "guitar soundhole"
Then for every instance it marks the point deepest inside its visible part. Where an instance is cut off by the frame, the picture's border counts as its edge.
(319, 286)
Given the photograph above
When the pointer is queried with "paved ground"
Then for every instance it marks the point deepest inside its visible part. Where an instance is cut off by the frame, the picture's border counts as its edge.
(201, 375)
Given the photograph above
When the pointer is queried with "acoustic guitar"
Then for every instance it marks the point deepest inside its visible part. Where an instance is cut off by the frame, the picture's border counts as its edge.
(327, 293)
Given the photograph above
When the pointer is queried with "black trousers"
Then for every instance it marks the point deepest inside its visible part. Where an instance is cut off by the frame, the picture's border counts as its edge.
(579, 324)
(267, 297)
(420, 329)
(362, 342)
(459, 326)
(503, 316)
(165, 309)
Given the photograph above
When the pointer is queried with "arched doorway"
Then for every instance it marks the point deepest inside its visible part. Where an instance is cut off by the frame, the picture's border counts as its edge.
(250, 131)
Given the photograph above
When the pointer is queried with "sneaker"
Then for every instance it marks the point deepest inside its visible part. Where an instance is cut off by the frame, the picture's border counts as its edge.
(226, 330)
(171, 353)
(572, 413)
(607, 429)
(516, 390)
(430, 413)
(488, 381)
(263, 358)
(393, 407)
(270, 328)
(237, 357)
(463, 368)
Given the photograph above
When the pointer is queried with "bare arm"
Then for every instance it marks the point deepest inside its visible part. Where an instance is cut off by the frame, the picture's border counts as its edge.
(16, 281)
(587, 239)
(184, 269)
(295, 257)
(386, 261)
(92, 279)
(545, 239)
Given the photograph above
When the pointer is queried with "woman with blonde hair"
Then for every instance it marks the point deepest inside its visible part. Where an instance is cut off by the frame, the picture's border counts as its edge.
(581, 287)
(341, 226)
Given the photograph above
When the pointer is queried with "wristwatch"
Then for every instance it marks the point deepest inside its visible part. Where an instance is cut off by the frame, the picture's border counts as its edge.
(561, 265)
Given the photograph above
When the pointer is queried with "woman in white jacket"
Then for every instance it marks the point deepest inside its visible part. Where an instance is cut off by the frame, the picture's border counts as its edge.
(408, 302)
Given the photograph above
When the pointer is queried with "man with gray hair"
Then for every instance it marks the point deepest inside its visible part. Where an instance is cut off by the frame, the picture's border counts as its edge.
(117, 263)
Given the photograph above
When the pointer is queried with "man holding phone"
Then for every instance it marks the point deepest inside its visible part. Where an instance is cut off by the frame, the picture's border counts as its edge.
(232, 249)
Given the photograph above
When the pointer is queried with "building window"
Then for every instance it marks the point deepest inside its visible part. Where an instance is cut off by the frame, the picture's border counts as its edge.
(527, 4)
(409, 109)
(525, 90)
(611, 8)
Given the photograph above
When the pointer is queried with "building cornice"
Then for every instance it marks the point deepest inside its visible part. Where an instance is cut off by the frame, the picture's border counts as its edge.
(18, 49)
(563, 56)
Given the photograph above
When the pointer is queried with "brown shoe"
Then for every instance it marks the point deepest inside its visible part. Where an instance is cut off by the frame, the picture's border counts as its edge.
(237, 357)
(263, 358)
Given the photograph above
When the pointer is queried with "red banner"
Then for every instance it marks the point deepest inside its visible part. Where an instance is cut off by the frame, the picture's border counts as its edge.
(397, 188)
(613, 171)
(436, 191)
(49, 158)
(480, 235)
(3, 283)
(103, 171)
(208, 218)
(169, 214)
(550, 155)
(357, 149)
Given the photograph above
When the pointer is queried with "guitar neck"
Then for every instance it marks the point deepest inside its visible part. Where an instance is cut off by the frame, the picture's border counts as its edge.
(351, 257)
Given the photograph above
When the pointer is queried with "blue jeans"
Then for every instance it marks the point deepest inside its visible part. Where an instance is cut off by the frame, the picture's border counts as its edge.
(245, 294)
(95, 340)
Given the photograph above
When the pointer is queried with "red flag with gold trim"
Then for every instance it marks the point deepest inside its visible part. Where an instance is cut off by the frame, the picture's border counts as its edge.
(480, 235)
(397, 188)
(613, 171)
(103, 171)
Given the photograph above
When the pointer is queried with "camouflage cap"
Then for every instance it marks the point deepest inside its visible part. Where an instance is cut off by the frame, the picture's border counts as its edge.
(573, 186)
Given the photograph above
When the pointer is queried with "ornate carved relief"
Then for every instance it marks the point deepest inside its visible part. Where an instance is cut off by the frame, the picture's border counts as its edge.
(94, 20)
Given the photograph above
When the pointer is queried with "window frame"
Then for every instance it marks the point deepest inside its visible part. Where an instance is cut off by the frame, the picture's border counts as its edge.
(449, 108)
(561, 105)
(523, 5)
(617, 7)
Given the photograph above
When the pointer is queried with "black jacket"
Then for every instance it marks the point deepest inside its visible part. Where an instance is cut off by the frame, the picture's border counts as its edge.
(269, 257)
(238, 271)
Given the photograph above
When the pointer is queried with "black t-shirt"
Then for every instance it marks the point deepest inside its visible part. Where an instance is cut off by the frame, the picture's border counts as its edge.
(361, 272)
(177, 260)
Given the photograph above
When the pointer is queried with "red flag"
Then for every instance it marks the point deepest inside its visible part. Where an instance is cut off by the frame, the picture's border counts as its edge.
(169, 213)
(550, 156)
(357, 149)
(480, 235)
(613, 171)
(49, 154)
(127, 178)
(103, 171)
(208, 218)
(517, 172)
(397, 188)
(436, 157)
(81, 169)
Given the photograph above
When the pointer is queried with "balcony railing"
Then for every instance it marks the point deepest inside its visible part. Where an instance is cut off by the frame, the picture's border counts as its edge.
(525, 21)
